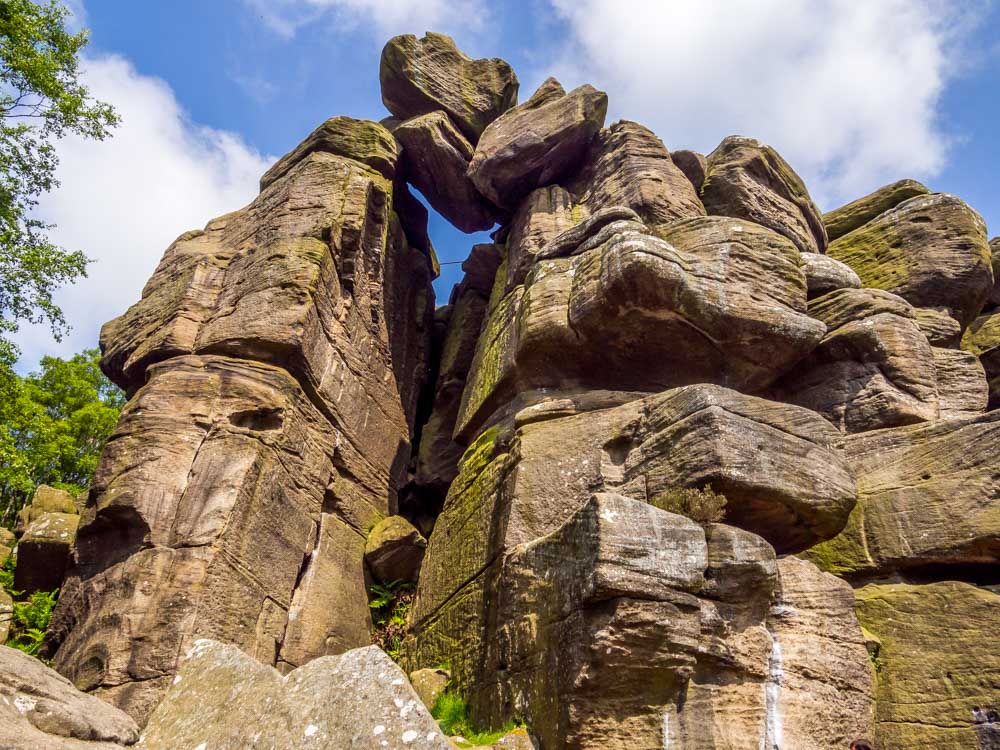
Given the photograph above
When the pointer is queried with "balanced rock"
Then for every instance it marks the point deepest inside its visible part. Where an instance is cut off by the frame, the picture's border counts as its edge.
(938, 681)
(847, 218)
(537, 142)
(930, 250)
(824, 275)
(713, 300)
(44, 550)
(41, 710)
(436, 159)
(749, 180)
(394, 550)
(424, 75)
(225, 699)
(927, 497)
(693, 165)
(982, 338)
(45, 500)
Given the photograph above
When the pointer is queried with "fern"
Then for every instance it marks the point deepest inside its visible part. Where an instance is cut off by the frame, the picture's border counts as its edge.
(31, 616)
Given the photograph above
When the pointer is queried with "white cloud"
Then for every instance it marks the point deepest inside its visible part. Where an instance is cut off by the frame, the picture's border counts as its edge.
(123, 200)
(847, 91)
(384, 18)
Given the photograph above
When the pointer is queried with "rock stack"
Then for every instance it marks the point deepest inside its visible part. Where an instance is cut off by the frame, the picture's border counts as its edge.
(645, 324)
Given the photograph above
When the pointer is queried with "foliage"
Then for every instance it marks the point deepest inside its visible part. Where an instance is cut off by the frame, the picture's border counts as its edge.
(701, 506)
(31, 614)
(390, 604)
(452, 715)
(53, 425)
(41, 99)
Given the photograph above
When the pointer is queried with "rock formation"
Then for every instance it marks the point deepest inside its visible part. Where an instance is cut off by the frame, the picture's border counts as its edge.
(684, 463)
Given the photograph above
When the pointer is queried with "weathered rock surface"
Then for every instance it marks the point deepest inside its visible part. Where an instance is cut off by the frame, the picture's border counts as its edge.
(749, 180)
(928, 495)
(537, 142)
(627, 165)
(693, 165)
(931, 250)
(541, 216)
(6, 615)
(995, 250)
(394, 550)
(436, 160)
(938, 680)
(45, 500)
(7, 543)
(824, 275)
(939, 327)
(715, 300)
(43, 552)
(224, 699)
(982, 338)
(961, 383)
(428, 74)
(429, 684)
(41, 710)
(847, 218)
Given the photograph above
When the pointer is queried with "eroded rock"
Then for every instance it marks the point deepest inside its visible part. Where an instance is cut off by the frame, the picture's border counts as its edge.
(43, 552)
(394, 550)
(847, 218)
(982, 338)
(824, 275)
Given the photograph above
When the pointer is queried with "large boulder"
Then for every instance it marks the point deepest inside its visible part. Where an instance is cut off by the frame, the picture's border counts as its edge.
(627, 165)
(937, 674)
(436, 160)
(847, 218)
(537, 142)
(713, 300)
(824, 275)
(982, 338)
(41, 710)
(927, 498)
(693, 165)
(222, 698)
(394, 550)
(43, 552)
(749, 180)
(931, 250)
(428, 74)
(45, 500)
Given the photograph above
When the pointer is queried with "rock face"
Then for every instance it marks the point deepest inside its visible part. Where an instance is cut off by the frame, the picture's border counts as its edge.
(40, 710)
(275, 363)
(423, 75)
(644, 472)
(47, 527)
(931, 250)
(537, 142)
(749, 180)
(919, 633)
(224, 699)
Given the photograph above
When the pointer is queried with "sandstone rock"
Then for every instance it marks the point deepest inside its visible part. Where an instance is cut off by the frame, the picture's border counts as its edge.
(824, 275)
(543, 214)
(627, 165)
(844, 306)
(866, 375)
(931, 250)
(361, 140)
(927, 497)
(43, 553)
(40, 710)
(939, 327)
(961, 383)
(45, 500)
(693, 165)
(7, 543)
(6, 615)
(518, 739)
(428, 74)
(995, 251)
(749, 180)
(436, 158)
(429, 684)
(982, 338)
(937, 681)
(224, 699)
(394, 550)
(537, 142)
(847, 218)
(716, 300)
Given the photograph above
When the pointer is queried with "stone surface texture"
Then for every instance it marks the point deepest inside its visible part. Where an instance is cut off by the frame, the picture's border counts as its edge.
(847, 218)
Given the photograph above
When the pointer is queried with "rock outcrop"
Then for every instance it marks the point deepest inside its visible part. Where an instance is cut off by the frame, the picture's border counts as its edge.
(47, 527)
(859, 212)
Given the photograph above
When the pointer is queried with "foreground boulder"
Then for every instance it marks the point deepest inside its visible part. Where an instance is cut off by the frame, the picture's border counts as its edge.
(537, 142)
(931, 250)
(41, 710)
(427, 74)
(222, 698)
(847, 218)
(749, 180)
(938, 682)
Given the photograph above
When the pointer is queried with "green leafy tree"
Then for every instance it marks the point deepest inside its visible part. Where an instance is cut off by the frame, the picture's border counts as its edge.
(41, 99)
(53, 427)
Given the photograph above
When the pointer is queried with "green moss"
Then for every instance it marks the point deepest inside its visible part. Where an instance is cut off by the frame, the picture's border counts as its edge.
(452, 714)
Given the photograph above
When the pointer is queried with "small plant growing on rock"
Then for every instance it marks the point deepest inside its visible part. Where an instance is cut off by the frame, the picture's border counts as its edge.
(702, 506)
(30, 616)
(390, 604)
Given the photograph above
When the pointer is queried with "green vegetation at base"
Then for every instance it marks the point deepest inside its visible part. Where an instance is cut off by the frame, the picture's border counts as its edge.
(452, 714)
(31, 614)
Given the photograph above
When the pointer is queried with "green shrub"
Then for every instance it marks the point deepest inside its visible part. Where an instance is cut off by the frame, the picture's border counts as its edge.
(390, 604)
(31, 615)
(452, 715)
(701, 506)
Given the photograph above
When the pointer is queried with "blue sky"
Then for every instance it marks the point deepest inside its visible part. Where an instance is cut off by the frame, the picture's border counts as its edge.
(853, 94)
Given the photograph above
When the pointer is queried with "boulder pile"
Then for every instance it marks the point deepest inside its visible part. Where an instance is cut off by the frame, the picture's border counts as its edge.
(684, 463)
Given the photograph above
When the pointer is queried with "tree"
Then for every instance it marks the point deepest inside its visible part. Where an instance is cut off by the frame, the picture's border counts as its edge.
(41, 99)
(53, 426)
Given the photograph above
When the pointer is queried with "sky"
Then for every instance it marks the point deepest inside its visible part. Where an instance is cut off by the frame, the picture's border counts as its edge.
(853, 94)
